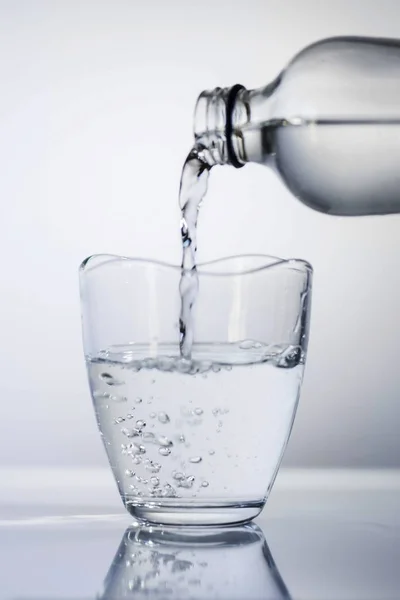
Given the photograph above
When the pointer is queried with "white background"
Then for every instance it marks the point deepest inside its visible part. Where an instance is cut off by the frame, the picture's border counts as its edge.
(96, 104)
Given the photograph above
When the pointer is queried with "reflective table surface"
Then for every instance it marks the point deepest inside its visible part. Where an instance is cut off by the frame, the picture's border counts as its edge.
(323, 535)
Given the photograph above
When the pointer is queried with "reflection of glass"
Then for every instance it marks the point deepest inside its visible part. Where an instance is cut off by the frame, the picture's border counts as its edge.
(195, 441)
(194, 563)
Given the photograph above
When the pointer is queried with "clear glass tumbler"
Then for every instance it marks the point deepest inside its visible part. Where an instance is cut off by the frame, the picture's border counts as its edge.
(195, 441)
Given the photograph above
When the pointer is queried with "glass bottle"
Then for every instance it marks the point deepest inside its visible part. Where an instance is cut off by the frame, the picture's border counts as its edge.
(329, 125)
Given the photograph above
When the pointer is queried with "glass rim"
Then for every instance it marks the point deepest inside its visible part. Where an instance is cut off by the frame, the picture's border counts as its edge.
(95, 261)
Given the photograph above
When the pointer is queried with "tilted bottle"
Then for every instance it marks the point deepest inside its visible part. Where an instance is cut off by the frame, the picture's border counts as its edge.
(329, 125)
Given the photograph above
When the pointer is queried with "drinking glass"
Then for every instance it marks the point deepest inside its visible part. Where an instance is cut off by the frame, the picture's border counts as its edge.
(196, 440)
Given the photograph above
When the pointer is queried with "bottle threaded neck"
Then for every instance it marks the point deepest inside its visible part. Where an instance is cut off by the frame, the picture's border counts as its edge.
(214, 126)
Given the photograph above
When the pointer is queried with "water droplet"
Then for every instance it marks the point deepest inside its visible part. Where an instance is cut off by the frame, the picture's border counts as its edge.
(129, 416)
(211, 452)
(204, 484)
(153, 467)
(140, 424)
(129, 473)
(182, 438)
(134, 488)
(119, 420)
(110, 380)
(216, 368)
(164, 441)
(137, 459)
(228, 367)
(154, 481)
(152, 415)
(195, 459)
(178, 476)
(138, 400)
(164, 451)
(198, 411)
(163, 417)
(215, 411)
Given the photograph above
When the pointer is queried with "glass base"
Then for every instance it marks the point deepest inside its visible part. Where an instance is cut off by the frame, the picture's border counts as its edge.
(175, 511)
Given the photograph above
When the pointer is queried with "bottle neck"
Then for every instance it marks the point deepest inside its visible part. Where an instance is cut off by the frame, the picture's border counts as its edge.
(219, 115)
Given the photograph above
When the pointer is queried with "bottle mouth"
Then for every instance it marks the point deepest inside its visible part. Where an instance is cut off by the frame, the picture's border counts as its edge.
(230, 105)
(214, 125)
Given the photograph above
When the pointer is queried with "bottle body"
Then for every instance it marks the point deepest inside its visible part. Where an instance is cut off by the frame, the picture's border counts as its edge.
(329, 125)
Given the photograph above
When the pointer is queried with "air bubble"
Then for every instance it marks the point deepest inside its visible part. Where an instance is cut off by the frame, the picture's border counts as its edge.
(168, 491)
(141, 479)
(137, 459)
(204, 484)
(136, 449)
(129, 473)
(195, 459)
(198, 411)
(153, 415)
(129, 433)
(211, 452)
(148, 436)
(154, 481)
(153, 467)
(187, 482)
(119, 420)
(182, 438)
(164, 441)
(246, 345)
(164, 451)
(163, 417)
(129, 416)
(138, 400)
(140, 424)
(178, 476)
(118, 398)
(110, 380)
